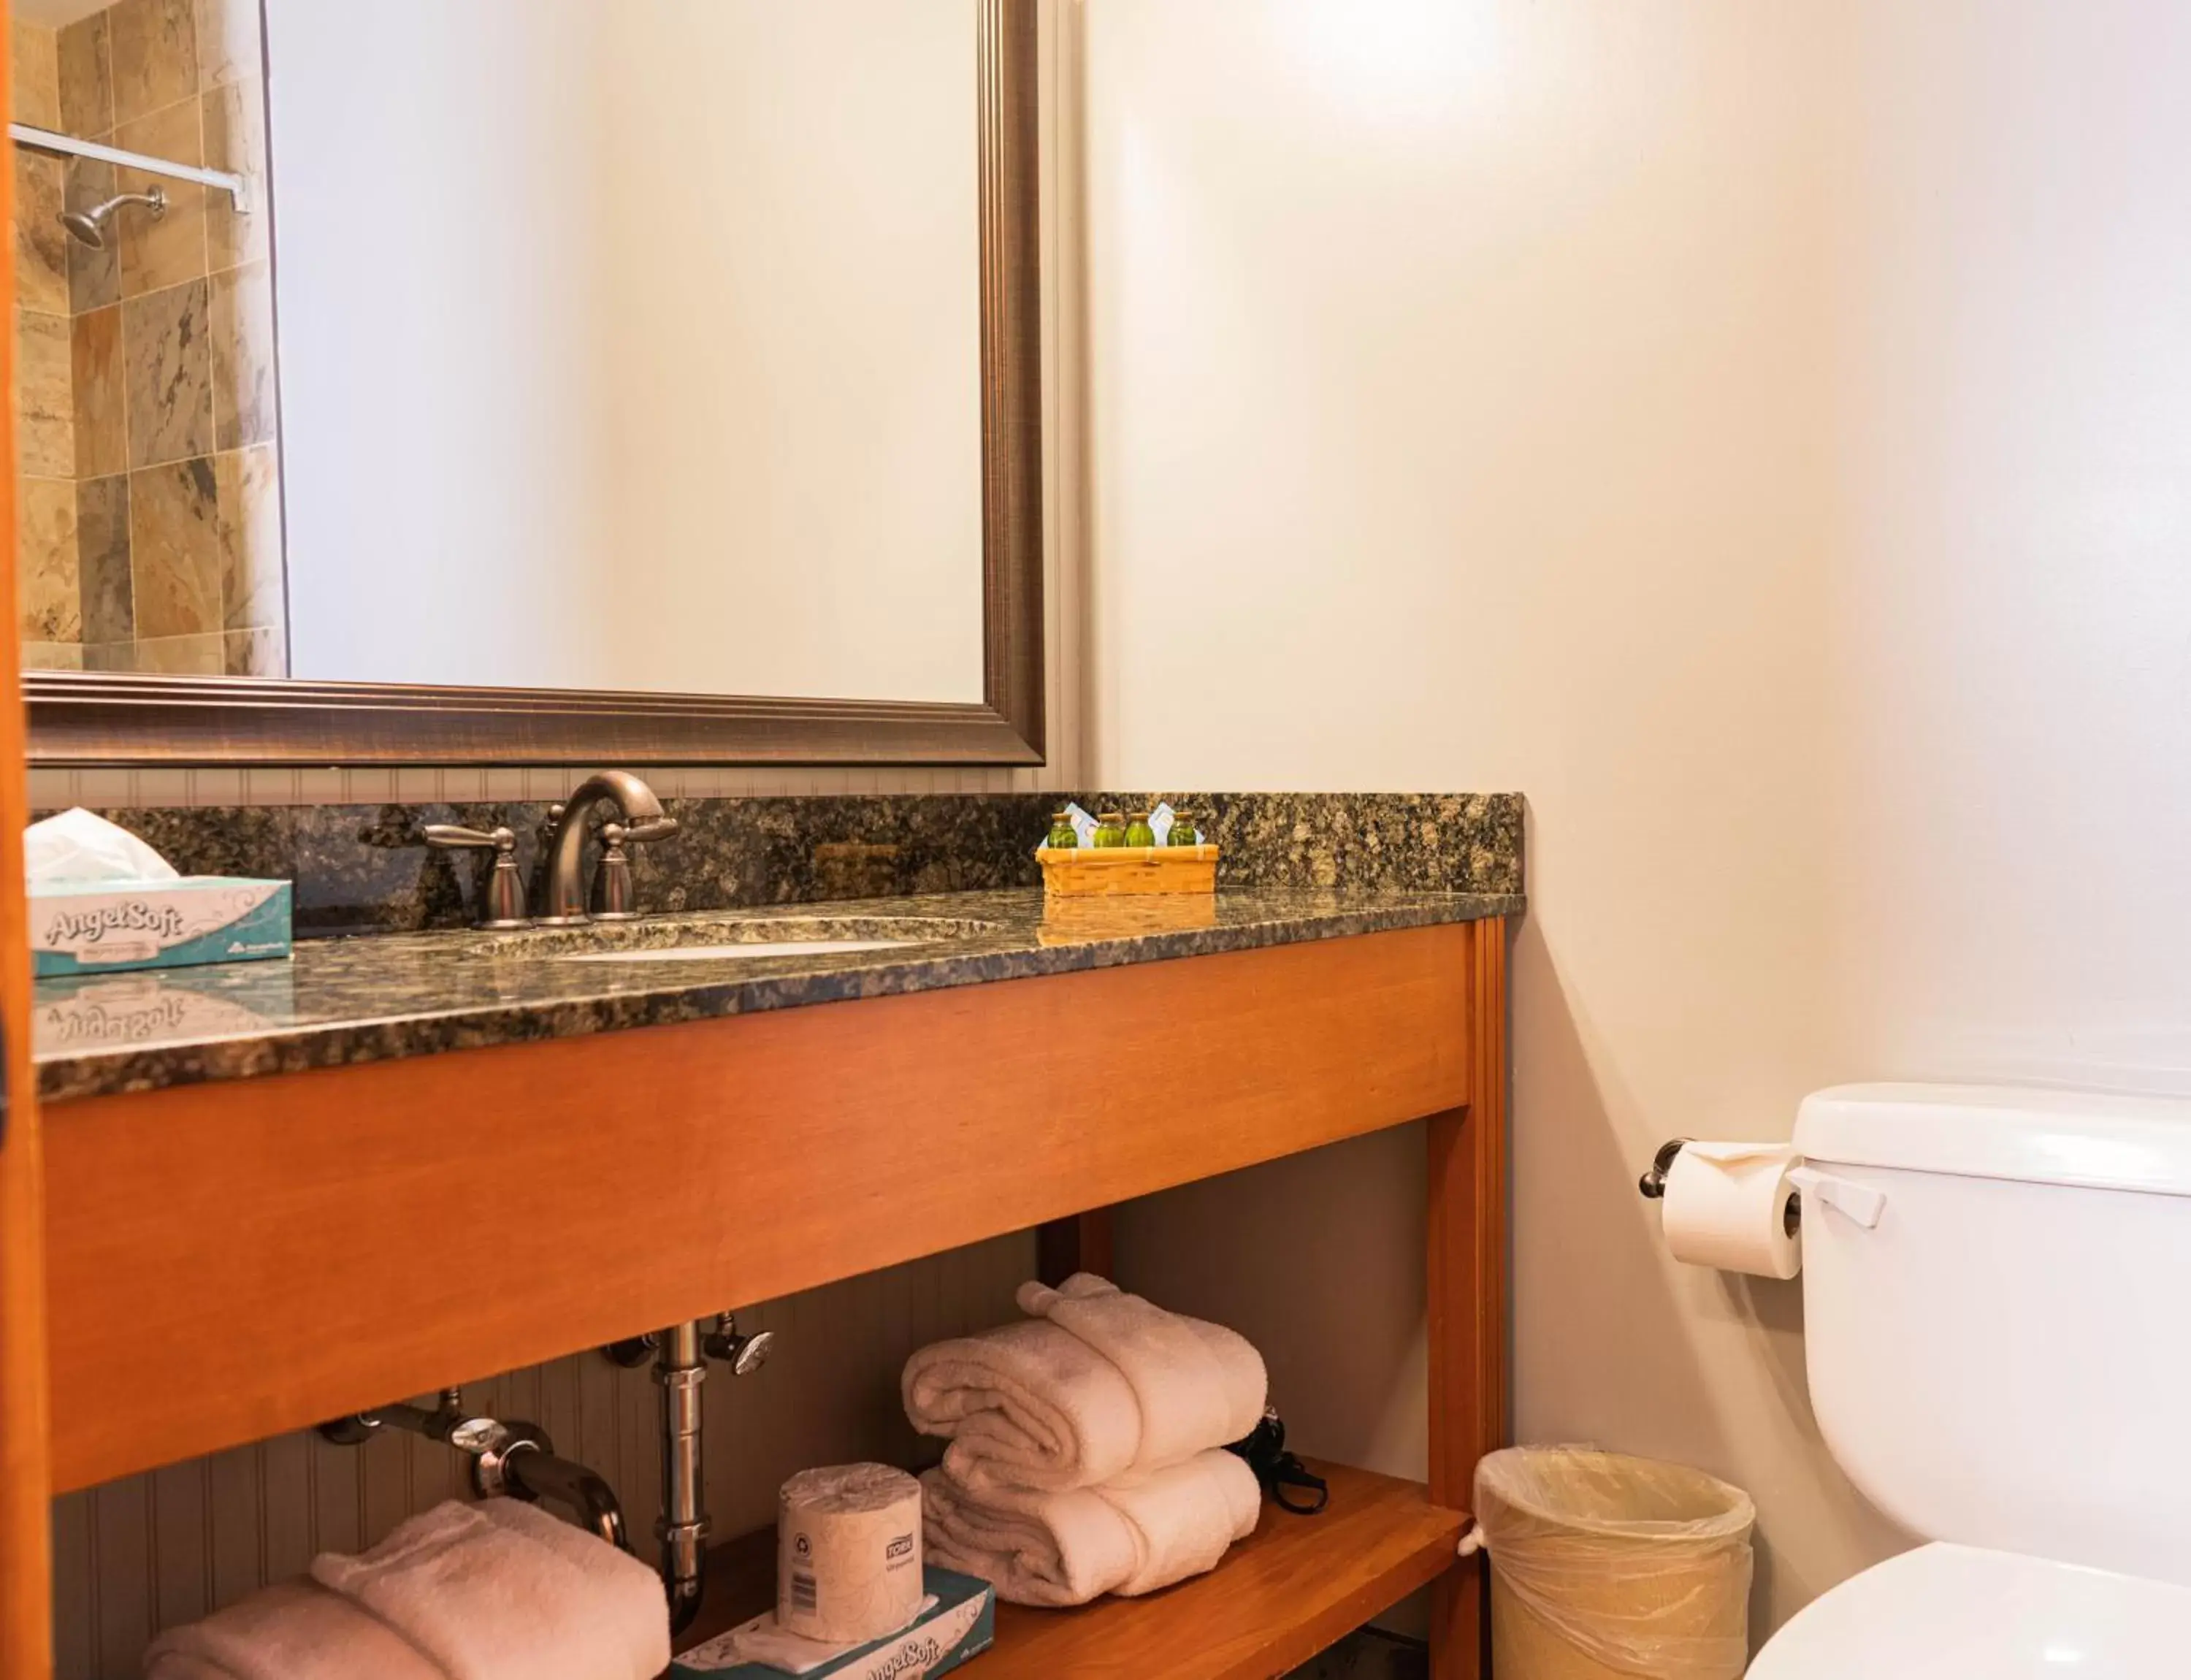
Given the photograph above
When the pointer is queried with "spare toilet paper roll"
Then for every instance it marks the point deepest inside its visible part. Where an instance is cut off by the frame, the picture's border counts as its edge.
(1726, 1207)
(848, 1553)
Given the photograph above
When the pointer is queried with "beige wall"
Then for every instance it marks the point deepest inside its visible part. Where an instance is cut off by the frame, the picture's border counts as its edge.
(1758, 433)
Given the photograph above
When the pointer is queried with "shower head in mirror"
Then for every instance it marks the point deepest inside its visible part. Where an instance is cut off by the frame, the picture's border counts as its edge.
(88, 227)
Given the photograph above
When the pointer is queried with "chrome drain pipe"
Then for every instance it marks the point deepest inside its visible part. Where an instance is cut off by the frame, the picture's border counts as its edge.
(680, 1368)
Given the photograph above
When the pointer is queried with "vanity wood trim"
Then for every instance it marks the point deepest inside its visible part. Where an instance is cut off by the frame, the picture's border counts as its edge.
(285, 1249)
(95, 718)
(1468, 1293)
(26, 1520)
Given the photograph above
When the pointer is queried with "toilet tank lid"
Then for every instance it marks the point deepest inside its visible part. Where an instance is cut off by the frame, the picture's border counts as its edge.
(2097, 1140)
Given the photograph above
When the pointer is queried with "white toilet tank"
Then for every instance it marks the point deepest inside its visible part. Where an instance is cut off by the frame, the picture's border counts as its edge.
(2005, 1359)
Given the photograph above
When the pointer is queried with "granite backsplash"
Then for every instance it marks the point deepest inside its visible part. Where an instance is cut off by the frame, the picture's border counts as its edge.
(359, 868)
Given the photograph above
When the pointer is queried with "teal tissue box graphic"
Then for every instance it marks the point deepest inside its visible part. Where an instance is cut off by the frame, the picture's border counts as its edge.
(959, 1626)
(104, 927)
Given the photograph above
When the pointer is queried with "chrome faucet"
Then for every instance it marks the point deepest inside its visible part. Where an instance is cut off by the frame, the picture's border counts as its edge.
(563, 896)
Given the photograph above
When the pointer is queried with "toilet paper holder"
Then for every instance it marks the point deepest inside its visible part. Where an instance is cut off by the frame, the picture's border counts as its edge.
(1652, 1186)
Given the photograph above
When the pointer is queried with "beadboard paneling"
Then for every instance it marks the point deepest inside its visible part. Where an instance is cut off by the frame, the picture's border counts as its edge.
(152, 1550)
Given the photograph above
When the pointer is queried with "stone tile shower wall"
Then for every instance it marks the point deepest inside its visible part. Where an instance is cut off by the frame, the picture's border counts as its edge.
(149, 482)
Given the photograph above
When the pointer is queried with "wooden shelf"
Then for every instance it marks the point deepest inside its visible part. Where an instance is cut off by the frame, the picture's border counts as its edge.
(1291, 1588)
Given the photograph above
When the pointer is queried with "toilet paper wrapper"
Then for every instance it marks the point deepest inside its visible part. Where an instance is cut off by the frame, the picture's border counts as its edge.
(848, 1554)
(1740, 1154)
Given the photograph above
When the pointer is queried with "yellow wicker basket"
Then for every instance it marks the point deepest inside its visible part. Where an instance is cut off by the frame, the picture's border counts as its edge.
(1098, 872)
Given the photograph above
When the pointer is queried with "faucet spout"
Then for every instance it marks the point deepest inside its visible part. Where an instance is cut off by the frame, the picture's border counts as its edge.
(564, 896)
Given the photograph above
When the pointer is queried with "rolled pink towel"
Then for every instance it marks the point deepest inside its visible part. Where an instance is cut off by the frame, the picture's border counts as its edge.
(1059, 1549)
(296, 1631)
(623, 1591)
(1094, 1386)
(1196, 1384)
(1027, 1404)
(489, 1595)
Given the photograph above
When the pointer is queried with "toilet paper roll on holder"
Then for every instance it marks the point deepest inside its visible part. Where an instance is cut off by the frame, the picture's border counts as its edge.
(1652, 1186)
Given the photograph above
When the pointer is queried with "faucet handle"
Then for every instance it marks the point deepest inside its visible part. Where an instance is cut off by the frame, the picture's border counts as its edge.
(744, 1354)
(610, 900)
(503, 906)
(614, 899)
(455, 835)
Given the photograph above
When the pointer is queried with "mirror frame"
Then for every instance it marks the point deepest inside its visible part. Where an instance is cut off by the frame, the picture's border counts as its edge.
(82, 719)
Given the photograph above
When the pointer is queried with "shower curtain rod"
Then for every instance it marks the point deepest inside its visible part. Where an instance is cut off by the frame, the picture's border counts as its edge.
(44, 140)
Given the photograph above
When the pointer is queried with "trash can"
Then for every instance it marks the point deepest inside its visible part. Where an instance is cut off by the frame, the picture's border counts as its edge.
(1608, 1568)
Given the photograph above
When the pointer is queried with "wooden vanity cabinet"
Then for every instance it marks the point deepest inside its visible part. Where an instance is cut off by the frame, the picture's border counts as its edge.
(288, 1249)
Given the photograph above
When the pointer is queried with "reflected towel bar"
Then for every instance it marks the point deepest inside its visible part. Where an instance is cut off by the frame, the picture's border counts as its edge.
(237, 187)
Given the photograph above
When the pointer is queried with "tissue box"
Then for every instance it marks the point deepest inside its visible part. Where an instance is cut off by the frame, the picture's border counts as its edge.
(962, 1626)
(103, 926)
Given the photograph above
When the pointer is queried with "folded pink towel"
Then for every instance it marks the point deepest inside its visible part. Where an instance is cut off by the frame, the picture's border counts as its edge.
(1029, 1404)
(490, 1595)
(1066, 1548)
(296, 1631)
(1197, 1385)
(623, 1590)
(1095, 1386)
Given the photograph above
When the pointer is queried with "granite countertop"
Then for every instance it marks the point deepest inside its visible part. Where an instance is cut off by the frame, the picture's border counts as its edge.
(343, 1001)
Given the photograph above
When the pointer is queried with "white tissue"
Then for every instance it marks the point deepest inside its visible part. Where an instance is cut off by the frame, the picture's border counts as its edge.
(78, 847)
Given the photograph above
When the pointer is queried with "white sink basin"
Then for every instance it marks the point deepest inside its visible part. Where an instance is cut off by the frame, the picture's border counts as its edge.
(716, 953)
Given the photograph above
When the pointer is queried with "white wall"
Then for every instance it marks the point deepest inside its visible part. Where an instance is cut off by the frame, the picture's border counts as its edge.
(631, 346)
(1759, 434)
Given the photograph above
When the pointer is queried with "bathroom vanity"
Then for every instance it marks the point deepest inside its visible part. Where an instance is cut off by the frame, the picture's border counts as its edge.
(249, 1200)
(431, 1147)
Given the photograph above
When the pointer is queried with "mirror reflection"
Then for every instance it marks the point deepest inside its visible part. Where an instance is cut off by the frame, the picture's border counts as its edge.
(543, 344)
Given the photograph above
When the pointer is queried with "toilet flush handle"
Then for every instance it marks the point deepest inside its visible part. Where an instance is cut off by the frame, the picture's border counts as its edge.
(1858, 1202)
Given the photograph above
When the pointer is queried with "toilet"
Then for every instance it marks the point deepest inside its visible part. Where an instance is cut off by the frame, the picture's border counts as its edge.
(1997, 1307)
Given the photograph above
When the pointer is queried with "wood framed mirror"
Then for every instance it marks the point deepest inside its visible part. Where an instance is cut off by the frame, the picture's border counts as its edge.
(180, 714)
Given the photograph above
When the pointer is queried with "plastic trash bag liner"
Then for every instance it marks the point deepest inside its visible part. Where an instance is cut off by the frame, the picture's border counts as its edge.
(1635, 1566)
